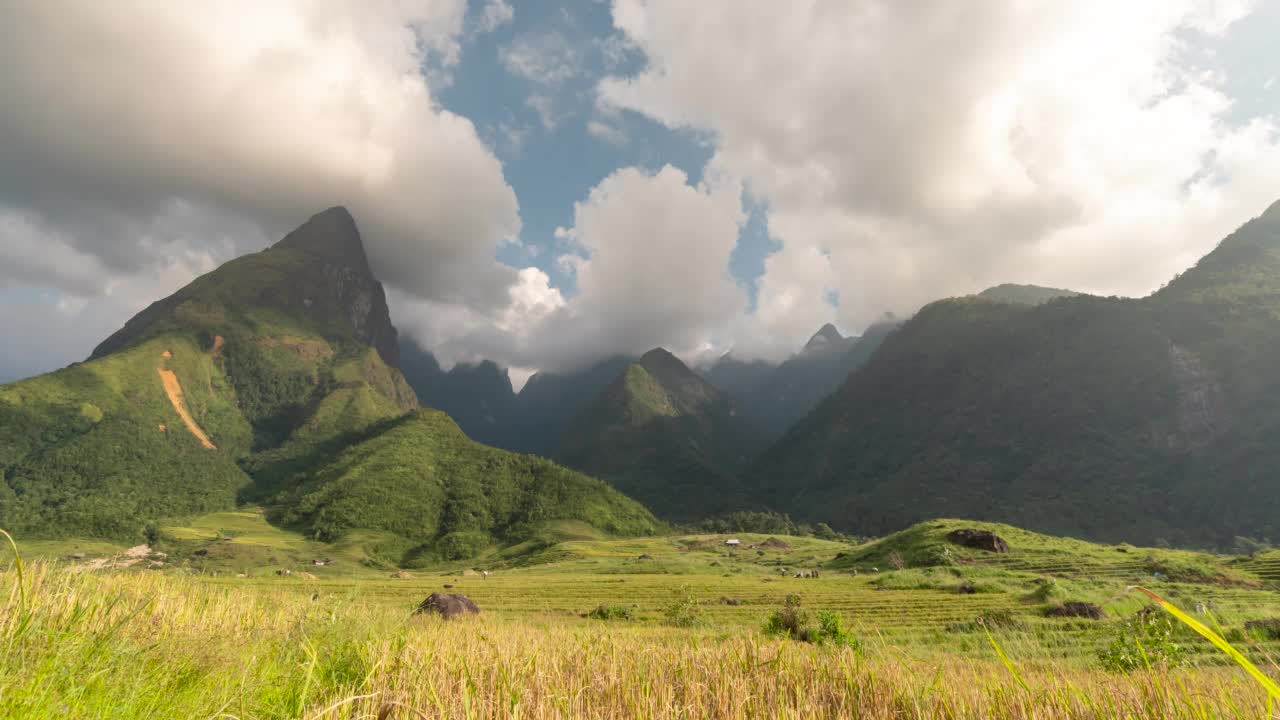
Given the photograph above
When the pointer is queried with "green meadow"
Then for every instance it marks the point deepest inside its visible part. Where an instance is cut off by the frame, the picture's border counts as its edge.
(208, 625)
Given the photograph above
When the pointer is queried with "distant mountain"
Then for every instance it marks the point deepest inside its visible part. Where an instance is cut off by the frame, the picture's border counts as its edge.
(663, 435)
(1093, 417)
(773, 398)
(477, 396)
(268, 379)
(550, 400)
(1024, 294)
(738, 377)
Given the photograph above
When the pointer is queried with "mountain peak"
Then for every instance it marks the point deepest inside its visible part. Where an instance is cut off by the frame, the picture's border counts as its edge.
(658, 355)
(317, 275)
(332, 235)
(823, 339)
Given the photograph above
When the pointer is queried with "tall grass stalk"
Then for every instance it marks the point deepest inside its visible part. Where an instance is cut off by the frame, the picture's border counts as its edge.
(1273, 690)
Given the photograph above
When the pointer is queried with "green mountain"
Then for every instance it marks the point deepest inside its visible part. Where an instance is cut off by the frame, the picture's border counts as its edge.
(447, 496)
(260, 381)
(663, 435)
(1093, 417)
(1024, 294)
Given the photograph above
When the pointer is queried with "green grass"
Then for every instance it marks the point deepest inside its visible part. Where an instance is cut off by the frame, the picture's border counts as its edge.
(195, 639)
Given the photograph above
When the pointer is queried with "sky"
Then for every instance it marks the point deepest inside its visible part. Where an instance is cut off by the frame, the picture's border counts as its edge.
(545, 184)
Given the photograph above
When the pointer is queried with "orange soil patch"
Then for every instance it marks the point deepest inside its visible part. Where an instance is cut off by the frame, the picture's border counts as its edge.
(174, 390)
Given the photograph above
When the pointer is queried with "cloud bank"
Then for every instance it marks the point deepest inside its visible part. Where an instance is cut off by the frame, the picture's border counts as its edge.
(901, 152)
(910, 151)
(136, 132)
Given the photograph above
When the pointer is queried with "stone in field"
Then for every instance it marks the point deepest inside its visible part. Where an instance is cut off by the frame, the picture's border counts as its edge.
(448, 605)
(979, 539)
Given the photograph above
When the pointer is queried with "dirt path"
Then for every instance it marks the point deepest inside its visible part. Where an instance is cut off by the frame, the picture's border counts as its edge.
(174, 390)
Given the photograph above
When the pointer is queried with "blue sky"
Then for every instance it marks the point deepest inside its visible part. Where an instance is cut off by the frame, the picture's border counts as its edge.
(553, 159)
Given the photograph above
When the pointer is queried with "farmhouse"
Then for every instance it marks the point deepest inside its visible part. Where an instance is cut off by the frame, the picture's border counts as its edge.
(733, 542)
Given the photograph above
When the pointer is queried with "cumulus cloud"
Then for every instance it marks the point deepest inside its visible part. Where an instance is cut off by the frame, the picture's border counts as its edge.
(650, 253)
(134, 132)
(908, 151)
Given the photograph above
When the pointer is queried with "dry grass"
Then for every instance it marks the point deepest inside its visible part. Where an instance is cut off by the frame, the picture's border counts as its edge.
(148, 645)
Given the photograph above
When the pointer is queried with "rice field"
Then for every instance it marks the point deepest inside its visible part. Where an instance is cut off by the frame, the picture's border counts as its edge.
(197, 641)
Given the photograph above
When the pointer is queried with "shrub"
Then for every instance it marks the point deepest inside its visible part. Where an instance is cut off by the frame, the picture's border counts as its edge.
(789, 621)
(1148, 639)
(611, 612)
(683, 610)
(793, 621)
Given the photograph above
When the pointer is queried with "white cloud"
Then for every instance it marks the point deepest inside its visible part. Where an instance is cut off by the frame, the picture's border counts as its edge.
(605, 132)
(495, 14)
(135, 129)
(650, 256)
(908, 151)
(544, 56)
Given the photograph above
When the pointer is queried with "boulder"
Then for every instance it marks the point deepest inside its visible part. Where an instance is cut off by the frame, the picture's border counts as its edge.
(448, 605)
(776, 544)
(1076, 608)
(979, 539)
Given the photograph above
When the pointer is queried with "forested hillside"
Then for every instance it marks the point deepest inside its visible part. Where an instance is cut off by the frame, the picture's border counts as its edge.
(1093, 417)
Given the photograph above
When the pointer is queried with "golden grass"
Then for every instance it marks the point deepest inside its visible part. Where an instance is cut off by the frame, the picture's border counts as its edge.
(151, 645)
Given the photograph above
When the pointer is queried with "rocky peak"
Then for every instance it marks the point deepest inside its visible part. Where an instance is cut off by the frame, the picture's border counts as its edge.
(331, 235)
(827, 336)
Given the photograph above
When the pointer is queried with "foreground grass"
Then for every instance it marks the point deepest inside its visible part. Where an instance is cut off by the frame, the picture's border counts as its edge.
(154, 645)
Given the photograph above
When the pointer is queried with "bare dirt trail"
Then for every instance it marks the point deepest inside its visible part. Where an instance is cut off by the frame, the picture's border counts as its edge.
(173, 389)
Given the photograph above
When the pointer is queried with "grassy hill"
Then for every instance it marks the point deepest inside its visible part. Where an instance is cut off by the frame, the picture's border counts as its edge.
(271, 379)
(424, 481)
(665, 436)
(1103, 418)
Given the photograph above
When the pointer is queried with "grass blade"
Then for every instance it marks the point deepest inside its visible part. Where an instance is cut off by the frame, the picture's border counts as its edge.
(1273, 690)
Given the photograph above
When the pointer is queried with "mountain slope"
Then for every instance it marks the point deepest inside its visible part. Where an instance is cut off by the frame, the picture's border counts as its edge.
(664, 436)
(447, 496)
(549, 401)
(1093, 417)
(272, 378)
(775, 398)
(477, 396)
(1024, 294)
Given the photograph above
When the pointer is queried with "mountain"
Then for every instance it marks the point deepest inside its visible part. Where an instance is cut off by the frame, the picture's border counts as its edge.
(446, 496)
(773, 398)
(262, 381)
(1101, 418)
(738, 377)
(1024, 294)
(549, 401)
(663, 435)
(477, 396)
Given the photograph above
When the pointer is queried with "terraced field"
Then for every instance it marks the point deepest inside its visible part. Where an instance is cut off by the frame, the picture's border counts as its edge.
(918, 605)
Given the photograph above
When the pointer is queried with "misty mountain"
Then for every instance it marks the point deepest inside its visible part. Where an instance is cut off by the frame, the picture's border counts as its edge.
(773, 397)
(1107, 418)
(478, 397)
